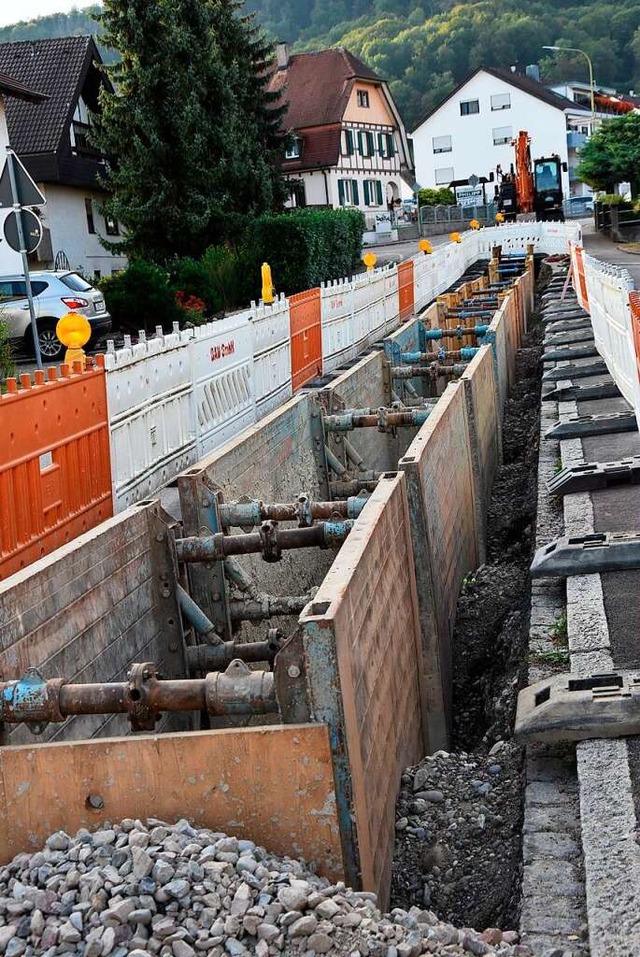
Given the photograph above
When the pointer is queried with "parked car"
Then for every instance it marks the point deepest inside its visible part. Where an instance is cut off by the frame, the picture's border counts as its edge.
(54, 295)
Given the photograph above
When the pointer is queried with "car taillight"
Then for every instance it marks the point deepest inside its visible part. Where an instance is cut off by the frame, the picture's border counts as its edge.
(76, 303)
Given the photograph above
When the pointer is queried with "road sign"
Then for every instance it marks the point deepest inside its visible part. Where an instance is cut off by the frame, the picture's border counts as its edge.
(31, 226)
(28, 192)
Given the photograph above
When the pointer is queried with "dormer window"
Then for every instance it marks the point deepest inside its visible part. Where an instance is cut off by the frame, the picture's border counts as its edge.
(363, 99)
(293, 151)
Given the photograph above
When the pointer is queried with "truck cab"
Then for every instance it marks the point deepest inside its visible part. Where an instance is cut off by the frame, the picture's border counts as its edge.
(547, 175)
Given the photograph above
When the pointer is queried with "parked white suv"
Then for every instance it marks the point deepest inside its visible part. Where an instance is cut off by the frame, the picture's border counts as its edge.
(54, 295)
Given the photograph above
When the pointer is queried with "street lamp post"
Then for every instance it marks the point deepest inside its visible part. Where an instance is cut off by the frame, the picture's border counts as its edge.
(591, 85)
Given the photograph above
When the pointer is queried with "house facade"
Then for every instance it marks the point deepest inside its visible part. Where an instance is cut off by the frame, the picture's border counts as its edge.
(52, 140)
(470, 133)
(11, 89)
(349, 146)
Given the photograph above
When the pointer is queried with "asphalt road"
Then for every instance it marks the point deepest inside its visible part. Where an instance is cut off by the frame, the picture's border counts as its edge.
(607, 251)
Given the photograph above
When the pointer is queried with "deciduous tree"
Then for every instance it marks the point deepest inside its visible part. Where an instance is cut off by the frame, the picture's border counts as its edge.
(612, 155)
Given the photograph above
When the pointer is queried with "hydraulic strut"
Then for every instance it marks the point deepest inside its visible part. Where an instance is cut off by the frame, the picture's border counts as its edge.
(270, 540)
(206, 658)
(142, 698)
(456, 333)
(465, 353)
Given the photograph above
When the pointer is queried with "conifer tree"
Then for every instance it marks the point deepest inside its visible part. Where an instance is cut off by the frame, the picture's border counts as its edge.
(191, 131)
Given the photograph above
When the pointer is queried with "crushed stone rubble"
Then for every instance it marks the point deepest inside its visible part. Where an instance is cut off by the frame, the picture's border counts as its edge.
(146, 889)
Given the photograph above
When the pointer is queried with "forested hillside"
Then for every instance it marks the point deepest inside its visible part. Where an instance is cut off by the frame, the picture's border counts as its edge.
(425, 47)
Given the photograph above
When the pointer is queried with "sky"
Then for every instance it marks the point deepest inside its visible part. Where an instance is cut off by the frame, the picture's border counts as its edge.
(12, 11)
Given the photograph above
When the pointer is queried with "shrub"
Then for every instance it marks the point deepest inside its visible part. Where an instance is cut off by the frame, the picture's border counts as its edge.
(140, 297)
(7, 367)
(189, 278)
(192, 308)
(225, 273)
(436, 197)
(305, 247)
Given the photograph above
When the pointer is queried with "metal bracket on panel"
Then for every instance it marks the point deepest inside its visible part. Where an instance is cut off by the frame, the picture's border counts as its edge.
(561, 353)
(572, 371)
(318, 442)
(578, 425)
(199, 500)
(591, 476)
(291, 680)
(570, 707)
(162, 535)
(584, 393)
(587, 555)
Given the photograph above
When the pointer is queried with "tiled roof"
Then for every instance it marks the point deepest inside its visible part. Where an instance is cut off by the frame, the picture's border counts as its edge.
(318, 148)
(11, 87)
(57, 67)
(525, 83)
(317, 86)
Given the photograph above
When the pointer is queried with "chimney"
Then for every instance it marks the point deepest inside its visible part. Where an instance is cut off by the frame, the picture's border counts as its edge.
(533, 71)
(282, 55)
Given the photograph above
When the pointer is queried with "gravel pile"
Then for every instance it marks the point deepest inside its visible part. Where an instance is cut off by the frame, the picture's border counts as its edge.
(179, 891)
(458, 836)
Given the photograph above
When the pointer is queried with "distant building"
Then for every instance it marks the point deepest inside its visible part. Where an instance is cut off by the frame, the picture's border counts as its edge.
(52, 141)
(350, 146)
(11, 89)
(470, 132)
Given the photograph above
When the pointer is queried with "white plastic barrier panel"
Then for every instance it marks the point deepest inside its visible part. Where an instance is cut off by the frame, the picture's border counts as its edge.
(222, 376)
(608, 289)
(339, 339)
(368, 308)
(271, 343)
(391, 299)
(151, 423)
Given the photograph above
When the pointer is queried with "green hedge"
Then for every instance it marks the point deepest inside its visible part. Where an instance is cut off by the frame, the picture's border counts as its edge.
(305, 247)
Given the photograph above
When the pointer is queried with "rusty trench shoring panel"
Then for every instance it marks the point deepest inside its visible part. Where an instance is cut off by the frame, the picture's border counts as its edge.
(270, 541)
(236, 691)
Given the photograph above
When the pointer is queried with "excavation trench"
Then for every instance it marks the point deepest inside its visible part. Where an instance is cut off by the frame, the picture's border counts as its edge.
(459, 814)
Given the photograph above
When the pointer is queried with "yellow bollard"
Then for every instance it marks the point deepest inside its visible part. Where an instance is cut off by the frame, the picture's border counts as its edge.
(370, 260)
(425, 246)
(455, 237)
(474, 224)
(267, 284)
(74, 331)
(499, 217)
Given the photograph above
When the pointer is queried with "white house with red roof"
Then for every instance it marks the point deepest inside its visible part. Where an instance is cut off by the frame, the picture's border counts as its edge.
(350, 146)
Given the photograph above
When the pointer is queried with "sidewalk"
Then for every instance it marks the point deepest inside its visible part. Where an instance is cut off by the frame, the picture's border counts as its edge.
(599, 246)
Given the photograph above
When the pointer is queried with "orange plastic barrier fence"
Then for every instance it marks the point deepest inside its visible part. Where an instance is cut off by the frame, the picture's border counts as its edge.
(306, 336)
(405, 289)
(55, 467)
(634, 302)
(579, 281)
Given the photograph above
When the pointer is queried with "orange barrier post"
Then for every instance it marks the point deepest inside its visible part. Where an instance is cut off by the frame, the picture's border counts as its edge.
(55, 466)
(306, 336)
(579, 281)
(405, 290)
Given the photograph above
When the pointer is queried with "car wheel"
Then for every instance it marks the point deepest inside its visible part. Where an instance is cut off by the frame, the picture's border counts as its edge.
(50, 346)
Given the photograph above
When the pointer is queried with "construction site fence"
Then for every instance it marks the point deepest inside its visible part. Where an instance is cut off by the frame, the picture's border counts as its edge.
(154, 407)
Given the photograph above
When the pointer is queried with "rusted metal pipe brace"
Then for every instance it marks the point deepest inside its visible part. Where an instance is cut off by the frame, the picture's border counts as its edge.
(196, 617)
(432, 371)
(206, 658)
(465, 353)
(341, 488)
(384, 420)
(271, 541)
(304, 511)
(456, 333)
(143, 697)
(267, 606)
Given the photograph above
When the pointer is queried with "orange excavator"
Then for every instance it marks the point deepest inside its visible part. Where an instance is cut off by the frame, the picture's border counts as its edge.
(531, 187)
